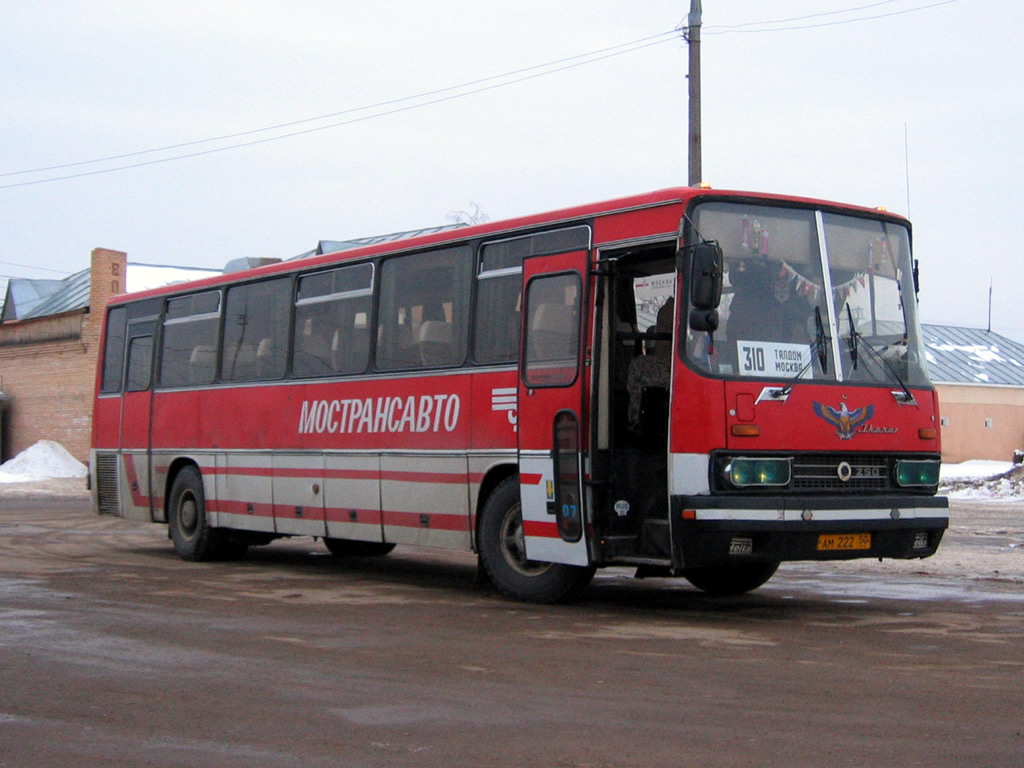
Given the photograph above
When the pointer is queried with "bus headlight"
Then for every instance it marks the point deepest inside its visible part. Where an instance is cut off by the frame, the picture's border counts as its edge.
(917, 472)
(744, 473)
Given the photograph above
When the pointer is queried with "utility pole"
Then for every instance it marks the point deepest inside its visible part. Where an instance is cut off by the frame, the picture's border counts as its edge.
(693, 38)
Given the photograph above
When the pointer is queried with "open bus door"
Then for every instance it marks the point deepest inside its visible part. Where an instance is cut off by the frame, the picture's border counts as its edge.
(552, 408)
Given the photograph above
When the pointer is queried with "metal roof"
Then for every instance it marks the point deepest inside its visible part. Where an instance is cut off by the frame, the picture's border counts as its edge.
(40, 298)
(972, 356)
(26, 299)
(335, 246)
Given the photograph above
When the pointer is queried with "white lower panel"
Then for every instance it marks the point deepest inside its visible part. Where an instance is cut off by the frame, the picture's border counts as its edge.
(540, 528)
(352, 497)
(425, 500)
(689, 475)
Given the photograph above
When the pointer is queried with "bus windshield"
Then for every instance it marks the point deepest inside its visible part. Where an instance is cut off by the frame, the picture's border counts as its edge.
(810, 295)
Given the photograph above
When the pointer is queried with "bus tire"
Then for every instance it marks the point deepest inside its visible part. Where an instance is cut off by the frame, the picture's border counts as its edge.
(722, 580)
(189, 527)
(354, 548)
(503, 554)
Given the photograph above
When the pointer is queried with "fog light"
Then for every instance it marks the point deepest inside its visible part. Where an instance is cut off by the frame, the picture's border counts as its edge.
(740, 472)
(744, 472)
(917, 472)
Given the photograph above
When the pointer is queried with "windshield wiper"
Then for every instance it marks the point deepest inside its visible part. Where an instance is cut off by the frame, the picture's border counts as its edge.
(854, 336)
(819, 348)
(855, 341)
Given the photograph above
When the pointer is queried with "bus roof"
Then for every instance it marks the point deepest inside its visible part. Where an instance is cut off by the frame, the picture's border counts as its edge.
(441, 235)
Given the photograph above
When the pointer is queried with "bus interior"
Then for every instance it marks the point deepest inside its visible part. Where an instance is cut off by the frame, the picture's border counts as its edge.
(635, 339)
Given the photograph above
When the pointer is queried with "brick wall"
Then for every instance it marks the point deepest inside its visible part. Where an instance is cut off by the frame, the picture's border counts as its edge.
(50, 383)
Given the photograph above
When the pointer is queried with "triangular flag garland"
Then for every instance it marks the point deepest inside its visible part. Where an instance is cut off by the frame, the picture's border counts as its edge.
(757, 239)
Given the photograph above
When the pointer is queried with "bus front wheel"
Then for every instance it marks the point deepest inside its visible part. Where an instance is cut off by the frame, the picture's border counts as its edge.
(730, 579)
(190, 530)
(502, 551)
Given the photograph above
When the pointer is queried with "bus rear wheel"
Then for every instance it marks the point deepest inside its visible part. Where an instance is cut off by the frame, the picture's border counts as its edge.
(503, 554)
(730, 579)
(194, 539)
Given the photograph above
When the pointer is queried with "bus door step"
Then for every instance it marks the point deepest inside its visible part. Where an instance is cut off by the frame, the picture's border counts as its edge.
(656, 538)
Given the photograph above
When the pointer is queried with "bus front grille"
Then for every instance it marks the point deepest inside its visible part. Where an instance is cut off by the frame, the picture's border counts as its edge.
(107, 484)
(839, 472)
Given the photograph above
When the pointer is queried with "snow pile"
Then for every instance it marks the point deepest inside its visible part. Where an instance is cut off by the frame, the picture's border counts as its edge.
(982, 480)
(46, 459)
(976, 469)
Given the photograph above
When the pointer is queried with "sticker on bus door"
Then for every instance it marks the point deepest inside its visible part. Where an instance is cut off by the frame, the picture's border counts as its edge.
(550, 399)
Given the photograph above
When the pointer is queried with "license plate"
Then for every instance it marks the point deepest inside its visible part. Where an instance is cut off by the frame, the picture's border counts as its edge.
(843, 541)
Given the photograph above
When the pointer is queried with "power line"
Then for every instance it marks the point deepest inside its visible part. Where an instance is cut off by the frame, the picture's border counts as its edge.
(29, 266)
(737, 28)
(423, 99)
(803, 18)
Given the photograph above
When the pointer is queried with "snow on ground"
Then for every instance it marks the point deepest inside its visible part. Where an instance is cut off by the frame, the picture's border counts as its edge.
(981, 480)
(43, 461)
(974, 469)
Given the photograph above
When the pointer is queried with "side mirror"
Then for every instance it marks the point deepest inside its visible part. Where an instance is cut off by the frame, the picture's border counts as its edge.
(706, 268)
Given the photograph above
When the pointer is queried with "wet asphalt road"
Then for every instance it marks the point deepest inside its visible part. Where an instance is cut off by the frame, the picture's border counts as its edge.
(115, 652)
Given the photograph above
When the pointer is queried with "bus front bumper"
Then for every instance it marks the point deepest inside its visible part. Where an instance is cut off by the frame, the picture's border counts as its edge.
(711, 531)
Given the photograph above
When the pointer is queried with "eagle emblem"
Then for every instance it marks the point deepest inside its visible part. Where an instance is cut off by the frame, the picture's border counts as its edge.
(843, 419)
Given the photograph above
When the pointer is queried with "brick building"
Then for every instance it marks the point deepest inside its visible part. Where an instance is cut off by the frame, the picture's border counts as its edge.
(49, 341)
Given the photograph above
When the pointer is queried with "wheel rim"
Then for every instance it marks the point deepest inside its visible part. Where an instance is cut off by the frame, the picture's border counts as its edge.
(188, 515)
(513, 544)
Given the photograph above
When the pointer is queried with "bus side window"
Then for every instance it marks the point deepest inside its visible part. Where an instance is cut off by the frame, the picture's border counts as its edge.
(190, 324)
(331, 311)
(499, 287)
(424, 309)
(498, 318)
(256, 322)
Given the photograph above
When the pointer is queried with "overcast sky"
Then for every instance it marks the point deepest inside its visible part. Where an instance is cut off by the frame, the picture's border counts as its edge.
(844, 106)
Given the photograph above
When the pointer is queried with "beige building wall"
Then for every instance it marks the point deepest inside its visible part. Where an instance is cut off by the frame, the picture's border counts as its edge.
(48, 367)
(980, 422)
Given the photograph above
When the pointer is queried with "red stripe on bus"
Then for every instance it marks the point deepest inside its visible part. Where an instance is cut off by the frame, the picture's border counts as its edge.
(240, 507)
(313, 473)
(436, 521)
(344, 515)
(540, 530)
(529, 479)
(424, 477)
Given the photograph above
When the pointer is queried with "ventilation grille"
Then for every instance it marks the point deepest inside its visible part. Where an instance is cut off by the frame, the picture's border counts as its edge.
(107, 484)
(822, 472)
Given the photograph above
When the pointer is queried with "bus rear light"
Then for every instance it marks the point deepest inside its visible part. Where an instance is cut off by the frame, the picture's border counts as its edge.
(745, 473)
(689, 514)
(745, 430)
(928, 433)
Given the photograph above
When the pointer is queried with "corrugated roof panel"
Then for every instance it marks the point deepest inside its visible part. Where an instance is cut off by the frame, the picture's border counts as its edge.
(972, 356)
(336, 246)
(72, 294)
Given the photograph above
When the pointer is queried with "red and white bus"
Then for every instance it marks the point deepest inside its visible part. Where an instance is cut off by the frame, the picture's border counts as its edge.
(691, 382)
